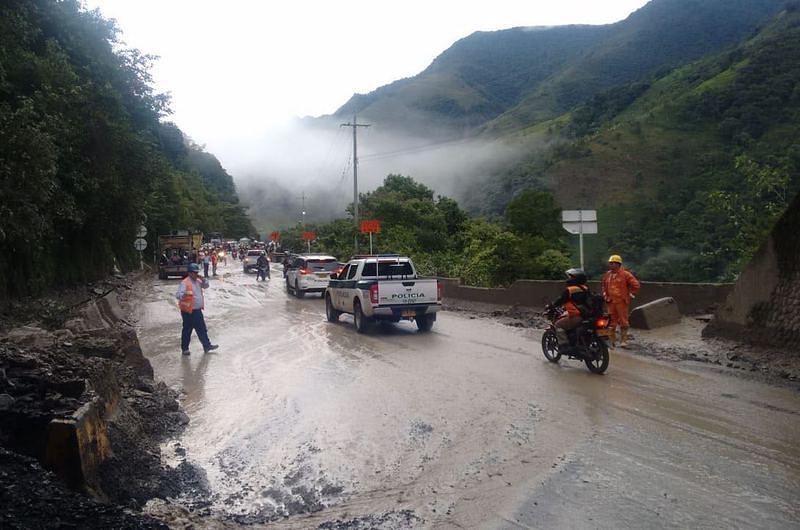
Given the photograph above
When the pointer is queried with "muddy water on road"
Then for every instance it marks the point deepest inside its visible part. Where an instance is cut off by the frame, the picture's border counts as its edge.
(301, 422)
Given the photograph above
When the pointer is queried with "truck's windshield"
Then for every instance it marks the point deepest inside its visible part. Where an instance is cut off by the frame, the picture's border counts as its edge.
(387, 268)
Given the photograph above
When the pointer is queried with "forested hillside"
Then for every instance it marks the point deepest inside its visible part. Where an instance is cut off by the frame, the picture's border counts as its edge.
(85, 154)
(443, 240)
(505, 80)
(680, 124)
(688, 169)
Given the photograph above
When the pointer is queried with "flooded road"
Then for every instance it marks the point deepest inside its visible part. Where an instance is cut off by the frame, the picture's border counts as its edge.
(303, 423)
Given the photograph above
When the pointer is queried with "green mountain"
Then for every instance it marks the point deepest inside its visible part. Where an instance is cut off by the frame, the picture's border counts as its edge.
(476, 79)
(505, 80)
(688, 169)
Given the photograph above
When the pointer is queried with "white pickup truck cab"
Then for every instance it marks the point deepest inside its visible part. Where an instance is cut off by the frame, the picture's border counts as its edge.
(383, 288)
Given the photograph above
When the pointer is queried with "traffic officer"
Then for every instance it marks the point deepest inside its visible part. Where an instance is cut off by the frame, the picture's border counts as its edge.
(620, 286)
(191, 302)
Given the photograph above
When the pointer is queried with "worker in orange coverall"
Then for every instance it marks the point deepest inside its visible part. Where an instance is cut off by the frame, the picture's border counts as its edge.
(619, 288)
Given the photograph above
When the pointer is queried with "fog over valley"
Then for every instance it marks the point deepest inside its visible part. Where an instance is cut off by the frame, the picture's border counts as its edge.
(315, 157)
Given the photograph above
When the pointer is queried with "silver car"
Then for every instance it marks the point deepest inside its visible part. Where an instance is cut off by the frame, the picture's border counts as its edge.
(250, 259)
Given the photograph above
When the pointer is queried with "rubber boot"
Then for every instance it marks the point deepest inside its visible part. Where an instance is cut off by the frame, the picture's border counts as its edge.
(612, 337)
(623, 342)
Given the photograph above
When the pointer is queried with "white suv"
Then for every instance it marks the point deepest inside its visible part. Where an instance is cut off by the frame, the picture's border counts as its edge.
(310, 273)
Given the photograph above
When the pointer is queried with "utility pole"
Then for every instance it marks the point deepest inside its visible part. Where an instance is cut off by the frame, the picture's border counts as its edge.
(303, 211)
(355, 125)
(303, 219)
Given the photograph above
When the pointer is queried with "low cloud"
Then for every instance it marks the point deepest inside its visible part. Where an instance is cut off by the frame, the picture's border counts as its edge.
(314, 157)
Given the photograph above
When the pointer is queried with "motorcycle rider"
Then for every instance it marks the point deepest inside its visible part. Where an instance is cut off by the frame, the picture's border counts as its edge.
(572, 298)
(262, 264)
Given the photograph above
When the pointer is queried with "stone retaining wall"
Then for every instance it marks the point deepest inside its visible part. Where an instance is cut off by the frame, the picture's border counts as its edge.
(692, 298)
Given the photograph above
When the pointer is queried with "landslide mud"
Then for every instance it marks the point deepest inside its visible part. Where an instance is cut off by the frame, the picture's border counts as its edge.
(301, 423)
(81, 415)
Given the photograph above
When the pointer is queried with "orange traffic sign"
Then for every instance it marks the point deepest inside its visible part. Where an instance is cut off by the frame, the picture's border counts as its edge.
(275, 236)
(372, 226)
(309, 236)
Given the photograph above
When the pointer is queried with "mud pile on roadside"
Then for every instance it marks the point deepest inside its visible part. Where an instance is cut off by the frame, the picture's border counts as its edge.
(514, 316)
(35, 498)
(683, 342)
(82, 417)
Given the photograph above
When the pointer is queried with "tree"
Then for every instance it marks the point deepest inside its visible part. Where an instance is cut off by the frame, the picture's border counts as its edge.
(752, 208)
(85, 155)
(535, 213)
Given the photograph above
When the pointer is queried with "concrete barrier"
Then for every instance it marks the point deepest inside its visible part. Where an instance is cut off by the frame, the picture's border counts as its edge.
(692, 298)
(656, 314)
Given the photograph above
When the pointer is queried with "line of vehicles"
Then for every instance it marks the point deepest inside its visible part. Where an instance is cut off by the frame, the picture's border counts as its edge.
(181, 247)
(372, 288)
(379, 288)
(387, 288)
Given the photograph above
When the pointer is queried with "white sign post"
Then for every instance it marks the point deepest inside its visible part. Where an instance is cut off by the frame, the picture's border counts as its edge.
(140, 244)
(579, 222)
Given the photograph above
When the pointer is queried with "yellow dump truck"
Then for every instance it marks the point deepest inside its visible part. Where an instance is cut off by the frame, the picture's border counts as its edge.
(176, 251)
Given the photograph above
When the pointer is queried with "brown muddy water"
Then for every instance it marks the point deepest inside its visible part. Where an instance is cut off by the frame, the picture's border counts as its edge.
(301, 423)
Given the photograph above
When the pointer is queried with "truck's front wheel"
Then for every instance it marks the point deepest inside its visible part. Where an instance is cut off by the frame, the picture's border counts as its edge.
(361, 321)
(424, 322)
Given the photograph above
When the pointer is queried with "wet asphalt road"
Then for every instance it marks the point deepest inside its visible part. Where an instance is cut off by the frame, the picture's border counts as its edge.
(302, 422)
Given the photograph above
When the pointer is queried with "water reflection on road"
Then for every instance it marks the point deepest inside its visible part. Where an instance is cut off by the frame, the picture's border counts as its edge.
(465, 426)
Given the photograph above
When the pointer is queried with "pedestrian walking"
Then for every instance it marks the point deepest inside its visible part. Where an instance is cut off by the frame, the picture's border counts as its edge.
(206, 258)
(620, 286)
(214, 259)
(191, 302)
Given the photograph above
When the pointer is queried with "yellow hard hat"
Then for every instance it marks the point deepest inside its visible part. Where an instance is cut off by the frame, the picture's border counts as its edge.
(615, 259)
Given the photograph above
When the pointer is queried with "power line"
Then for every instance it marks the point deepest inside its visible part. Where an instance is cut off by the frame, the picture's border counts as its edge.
(410, 150)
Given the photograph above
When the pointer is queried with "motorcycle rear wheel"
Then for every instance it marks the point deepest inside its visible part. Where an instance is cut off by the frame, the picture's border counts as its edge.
(550, 346)
(599, 364)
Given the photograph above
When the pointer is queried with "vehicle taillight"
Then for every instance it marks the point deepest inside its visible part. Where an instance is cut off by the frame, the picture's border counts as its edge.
(601, 323)
(439, 290)
(304, 271)
(373, 293)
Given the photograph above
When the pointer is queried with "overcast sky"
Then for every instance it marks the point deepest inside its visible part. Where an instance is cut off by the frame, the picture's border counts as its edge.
(236, 68)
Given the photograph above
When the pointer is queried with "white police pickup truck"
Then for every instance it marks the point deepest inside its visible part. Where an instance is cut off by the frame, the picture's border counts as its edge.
(383, 288)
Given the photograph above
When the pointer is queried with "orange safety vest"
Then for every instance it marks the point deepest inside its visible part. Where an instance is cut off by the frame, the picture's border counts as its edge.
(619, 286)
(187, 302)
(569, 305)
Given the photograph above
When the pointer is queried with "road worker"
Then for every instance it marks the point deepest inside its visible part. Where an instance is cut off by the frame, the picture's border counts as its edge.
(620, 286)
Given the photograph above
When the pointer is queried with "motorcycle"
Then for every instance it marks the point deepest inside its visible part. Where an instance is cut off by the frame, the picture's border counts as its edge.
(588, 342)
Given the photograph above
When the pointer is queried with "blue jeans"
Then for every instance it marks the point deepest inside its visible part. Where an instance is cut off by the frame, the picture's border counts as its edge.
(194, 321)
(205, 269)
